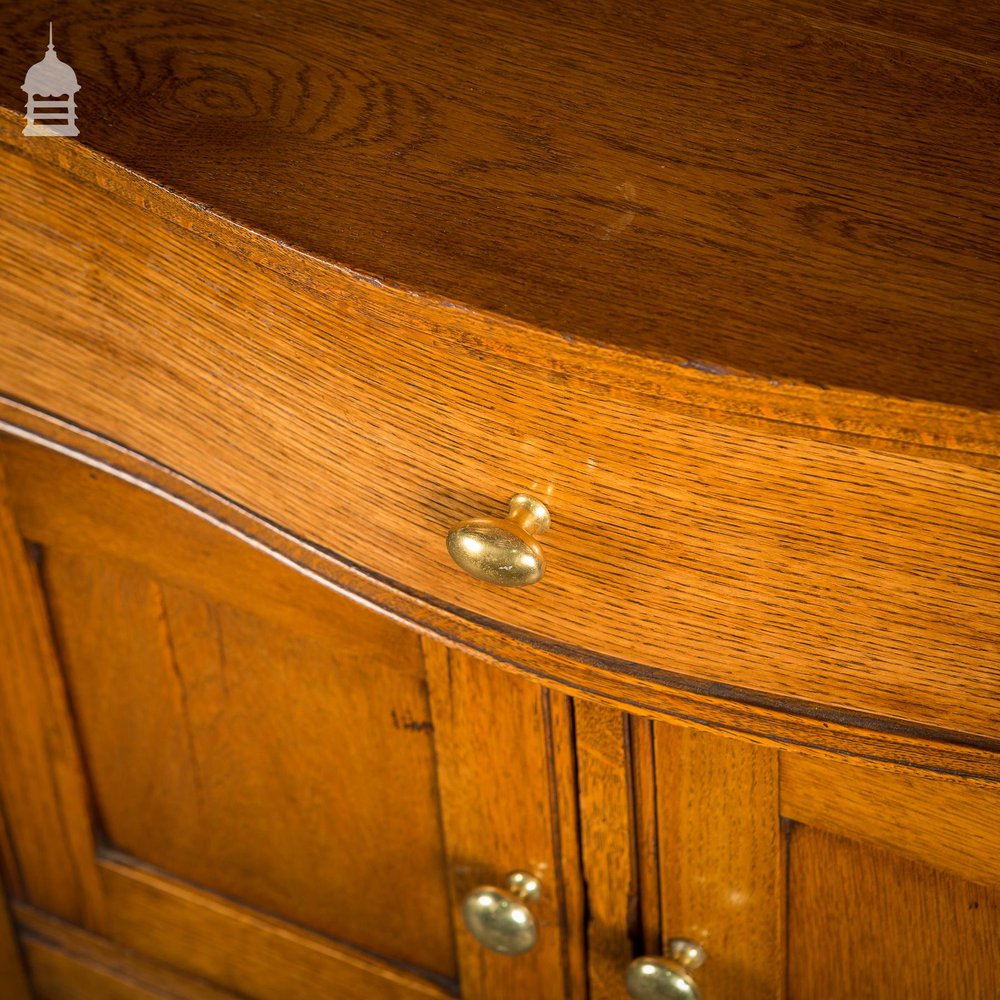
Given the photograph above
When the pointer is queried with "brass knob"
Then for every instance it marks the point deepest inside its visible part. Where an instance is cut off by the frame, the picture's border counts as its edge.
(667, 978)
(498, 919)
(503, 550)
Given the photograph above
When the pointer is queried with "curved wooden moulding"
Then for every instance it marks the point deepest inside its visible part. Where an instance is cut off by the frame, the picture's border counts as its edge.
(803, 567)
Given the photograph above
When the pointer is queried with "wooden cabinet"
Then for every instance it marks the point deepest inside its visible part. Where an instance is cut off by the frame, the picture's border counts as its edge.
(223, 777)
(199, 736)
(801, 876)
(717, 285)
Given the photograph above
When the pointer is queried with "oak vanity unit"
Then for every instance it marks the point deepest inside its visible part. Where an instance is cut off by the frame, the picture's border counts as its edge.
(501, 501)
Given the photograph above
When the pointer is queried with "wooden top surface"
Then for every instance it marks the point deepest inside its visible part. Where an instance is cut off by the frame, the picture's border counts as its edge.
(803, 195)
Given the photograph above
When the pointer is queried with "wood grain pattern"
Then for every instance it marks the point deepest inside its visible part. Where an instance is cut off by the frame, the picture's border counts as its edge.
(849, 558)
(763, 723)
(801, 193)
(721, 863)
(254, 955)
(69, 964)
(290, 773)
(295, 699)
(647, 834)
(866, 923)
(216, 747)
(571, 886)
(604, 770)
(945, 824)
(500, 810)
(45, 799)
(865, 581)
(12, 971)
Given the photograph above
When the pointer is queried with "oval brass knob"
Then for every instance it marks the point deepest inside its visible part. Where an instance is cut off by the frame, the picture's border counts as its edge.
(498, 919)
(503, 550)
(667, 978)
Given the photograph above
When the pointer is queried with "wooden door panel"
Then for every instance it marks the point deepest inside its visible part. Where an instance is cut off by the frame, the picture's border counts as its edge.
(245, 788)
(681, 837)
(249, 952)
(721, 864)
(946, 824)
(202, 739)
(508, 802)
(263, 764)
(865, 922)
(67, 963)
(821, 879)
(45, 802)
(608, 845)
(893, 883)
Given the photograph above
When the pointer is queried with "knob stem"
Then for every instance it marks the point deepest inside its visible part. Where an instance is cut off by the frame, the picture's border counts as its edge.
(686, 953)
(524, 885)
(529, 514)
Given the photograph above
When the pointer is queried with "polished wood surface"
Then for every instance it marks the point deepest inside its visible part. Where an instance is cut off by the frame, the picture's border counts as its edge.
(258, 753)
(721, 859)
(69, 964)
(251, 953)
(799, 193)
(221, 708)
(46, 804)
(12, 970)
(767, 861)
(945, 824)
(608, 845)
(880, 565)
(893, 883)
(867, 923)
(630, 690)
(499, 741)
(314, 284)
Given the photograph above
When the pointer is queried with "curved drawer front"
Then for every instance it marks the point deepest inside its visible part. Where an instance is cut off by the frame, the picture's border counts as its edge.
(733, 559)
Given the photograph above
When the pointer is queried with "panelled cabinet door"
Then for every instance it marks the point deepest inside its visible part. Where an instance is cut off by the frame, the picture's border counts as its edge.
(893, 883)
(219, 775)
(800, 877)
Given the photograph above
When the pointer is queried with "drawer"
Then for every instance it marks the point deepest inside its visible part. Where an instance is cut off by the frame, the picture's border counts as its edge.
(729, 558)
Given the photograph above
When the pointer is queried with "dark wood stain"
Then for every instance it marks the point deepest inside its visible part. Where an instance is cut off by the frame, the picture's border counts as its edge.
(796, 193)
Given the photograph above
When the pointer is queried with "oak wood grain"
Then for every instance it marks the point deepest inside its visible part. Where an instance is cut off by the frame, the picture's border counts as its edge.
(12, 971)
(45, 799)
(500, 811)
(215, 745)
(655, 697)
(67, 963)
(647, 834)
(289, 773)
(571, 883)
(881, 567)
(607, 836)
(277, 762)
(250, 953)
(863, 922)
(865, 580)
(721, 859)
(801, 193)
(946, 825)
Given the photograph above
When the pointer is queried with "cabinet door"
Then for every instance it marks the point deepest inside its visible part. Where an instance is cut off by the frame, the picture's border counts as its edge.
(801, 877)
(220, 775)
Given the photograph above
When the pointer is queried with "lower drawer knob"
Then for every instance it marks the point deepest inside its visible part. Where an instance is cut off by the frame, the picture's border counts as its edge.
(655, 978)
(499, 919)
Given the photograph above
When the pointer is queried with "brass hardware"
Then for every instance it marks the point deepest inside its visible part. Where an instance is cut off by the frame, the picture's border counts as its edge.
(503, 550)
(498, 919)
(667, 978)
